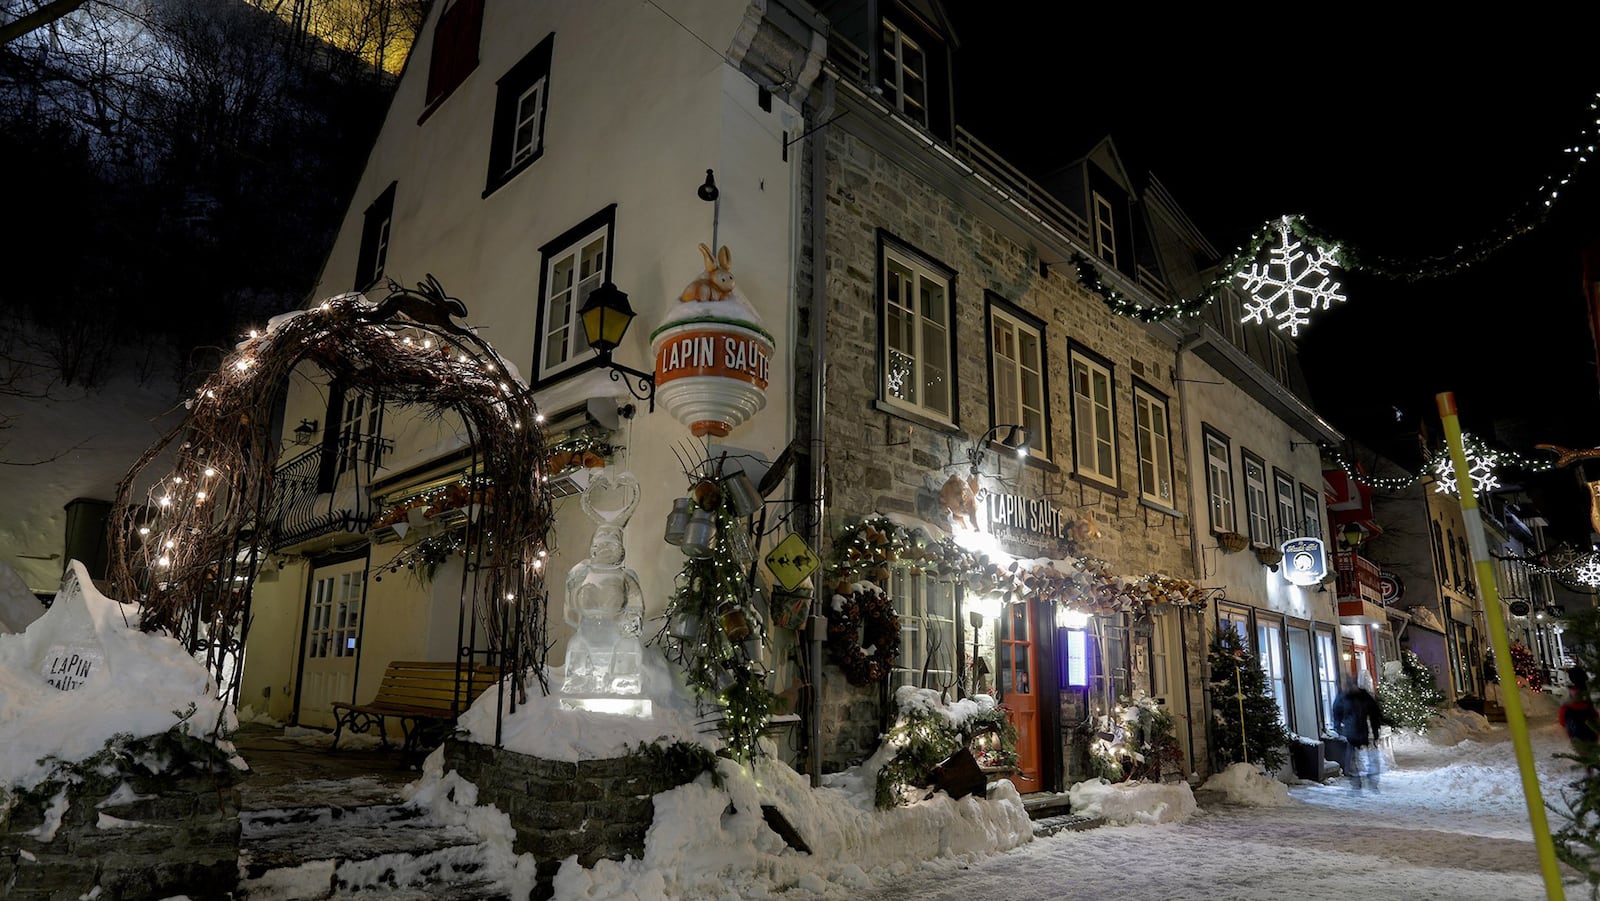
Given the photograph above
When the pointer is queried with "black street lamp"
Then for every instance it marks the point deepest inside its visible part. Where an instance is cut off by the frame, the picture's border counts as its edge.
(606, 316)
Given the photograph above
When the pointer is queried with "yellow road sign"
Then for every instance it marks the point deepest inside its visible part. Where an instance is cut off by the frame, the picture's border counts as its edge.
(791, 562)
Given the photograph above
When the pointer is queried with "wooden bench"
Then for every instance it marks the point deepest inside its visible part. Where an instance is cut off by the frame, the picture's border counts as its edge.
(420, 694)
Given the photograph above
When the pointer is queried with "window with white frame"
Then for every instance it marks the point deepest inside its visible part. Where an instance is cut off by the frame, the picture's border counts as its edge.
(1327, 675)
(1219, 482)
(916, 335)
(522, 99)
(1269, 643)
(1288, 509)
(926, 607)
(1257, 513)
(360, 431)
(575, 264)
(1155, 446)
(903, 73)
(1278, 353)
(1105, 230)
(1310, 513)
(1094, 427)
(1228, 317)
(1016, 364)
(335, 618)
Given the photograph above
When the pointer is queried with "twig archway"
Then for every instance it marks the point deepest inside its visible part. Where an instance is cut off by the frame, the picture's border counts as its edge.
(189, 547)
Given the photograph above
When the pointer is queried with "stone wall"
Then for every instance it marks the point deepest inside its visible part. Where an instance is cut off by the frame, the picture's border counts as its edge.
(151, 819)
(595, 809)
(881, 461)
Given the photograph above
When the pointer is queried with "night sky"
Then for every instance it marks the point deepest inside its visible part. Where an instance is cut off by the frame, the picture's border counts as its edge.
(1403, 146)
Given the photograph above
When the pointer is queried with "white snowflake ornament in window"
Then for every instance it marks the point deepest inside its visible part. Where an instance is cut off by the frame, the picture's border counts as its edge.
(1480, 465)
(1294, 282)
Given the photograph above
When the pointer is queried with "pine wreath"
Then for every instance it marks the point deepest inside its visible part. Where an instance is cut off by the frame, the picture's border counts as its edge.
(864, 618)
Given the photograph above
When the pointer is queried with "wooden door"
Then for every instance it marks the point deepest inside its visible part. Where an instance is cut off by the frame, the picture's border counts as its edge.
(1018, 667)
(333, 636)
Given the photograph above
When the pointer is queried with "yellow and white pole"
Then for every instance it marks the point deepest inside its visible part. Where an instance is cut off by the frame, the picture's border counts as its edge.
(1511, 700)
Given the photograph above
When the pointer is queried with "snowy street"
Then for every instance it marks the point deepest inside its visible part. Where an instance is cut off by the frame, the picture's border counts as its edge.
(1448, 822)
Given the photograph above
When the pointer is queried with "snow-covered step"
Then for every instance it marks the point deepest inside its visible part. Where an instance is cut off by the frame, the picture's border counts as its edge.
(257, 824)
(347, 841)
(1067, 822)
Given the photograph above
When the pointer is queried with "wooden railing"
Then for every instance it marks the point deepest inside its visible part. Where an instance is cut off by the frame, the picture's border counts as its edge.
(1357, 578)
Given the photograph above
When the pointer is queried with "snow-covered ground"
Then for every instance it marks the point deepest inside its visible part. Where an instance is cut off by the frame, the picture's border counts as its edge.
(1449, 820)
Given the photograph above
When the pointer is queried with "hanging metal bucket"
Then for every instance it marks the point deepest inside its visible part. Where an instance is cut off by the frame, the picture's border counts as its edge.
(742, 494)
(678, 520)
(699, 534)
(684, 626)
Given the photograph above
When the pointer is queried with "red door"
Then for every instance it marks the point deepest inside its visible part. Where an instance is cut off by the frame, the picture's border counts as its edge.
(1018, 670)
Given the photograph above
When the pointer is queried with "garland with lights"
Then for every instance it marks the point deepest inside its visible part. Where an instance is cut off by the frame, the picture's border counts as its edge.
(868, 548)
(1299, 267)
(927, 731)
(712, 630)
(863, 633)
(210, 519)
(1143, 743)
(1482, 461)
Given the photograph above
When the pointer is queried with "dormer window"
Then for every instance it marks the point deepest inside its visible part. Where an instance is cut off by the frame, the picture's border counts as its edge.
(903, 73)
(1105, 230)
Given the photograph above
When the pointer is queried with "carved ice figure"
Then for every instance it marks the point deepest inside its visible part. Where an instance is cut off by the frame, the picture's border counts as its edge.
(605, 604)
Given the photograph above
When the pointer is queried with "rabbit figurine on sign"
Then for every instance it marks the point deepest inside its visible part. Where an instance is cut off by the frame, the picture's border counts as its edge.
(717, 283)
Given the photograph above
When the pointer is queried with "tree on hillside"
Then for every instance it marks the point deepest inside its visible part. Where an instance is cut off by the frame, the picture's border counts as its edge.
(1244, 717)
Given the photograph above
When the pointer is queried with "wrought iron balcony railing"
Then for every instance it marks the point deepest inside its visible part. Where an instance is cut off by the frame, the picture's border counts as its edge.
(314, 495)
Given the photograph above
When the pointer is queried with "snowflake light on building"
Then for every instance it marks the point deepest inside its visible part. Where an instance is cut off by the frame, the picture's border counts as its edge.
(1588, 571)
(1481, 462)
(1291, 284)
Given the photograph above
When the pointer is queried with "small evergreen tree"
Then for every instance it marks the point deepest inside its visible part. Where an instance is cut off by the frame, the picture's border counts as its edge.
(1245, 721)
(1412, 700)
(1577, 842)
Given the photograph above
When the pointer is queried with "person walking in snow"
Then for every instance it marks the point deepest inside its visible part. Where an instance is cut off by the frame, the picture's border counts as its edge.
(1579, 718)
(1357, 718)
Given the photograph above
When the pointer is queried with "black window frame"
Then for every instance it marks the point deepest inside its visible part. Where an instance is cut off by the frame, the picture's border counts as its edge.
(1247, 457)
(911, 256)
(377, 233)
(1279, 477)
(1076, 350)
(1207, 433)
(517, 81)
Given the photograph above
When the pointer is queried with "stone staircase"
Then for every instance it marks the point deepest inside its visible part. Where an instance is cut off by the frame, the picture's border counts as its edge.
(1052, 813)
(357, 841)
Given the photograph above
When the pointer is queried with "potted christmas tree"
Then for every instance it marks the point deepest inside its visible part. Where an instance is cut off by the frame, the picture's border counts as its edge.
(1244, 717)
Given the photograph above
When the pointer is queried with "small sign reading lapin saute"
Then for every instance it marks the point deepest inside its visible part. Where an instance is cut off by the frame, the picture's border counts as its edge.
(69, 668)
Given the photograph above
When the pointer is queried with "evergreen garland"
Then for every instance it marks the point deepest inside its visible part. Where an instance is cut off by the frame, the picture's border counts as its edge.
(714, 592)
(926, 737)
(1144, 743)
(1412, 700)
(1248, 728)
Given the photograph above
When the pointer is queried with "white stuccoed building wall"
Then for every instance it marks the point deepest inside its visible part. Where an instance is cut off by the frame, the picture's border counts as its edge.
(640, 106)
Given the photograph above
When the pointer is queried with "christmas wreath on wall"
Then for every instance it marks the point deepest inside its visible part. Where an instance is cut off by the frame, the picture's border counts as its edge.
(863, 633)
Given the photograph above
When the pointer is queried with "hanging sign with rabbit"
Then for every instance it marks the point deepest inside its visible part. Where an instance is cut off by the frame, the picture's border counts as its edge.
(713, 357)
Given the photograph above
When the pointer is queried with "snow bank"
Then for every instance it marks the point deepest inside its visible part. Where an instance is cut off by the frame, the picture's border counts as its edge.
(125, 681)
(1127, 803)
(1452, 728)
(1242, 783)
(731, 853)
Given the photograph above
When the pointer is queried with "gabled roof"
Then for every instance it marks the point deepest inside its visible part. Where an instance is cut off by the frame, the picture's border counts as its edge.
(932, 11)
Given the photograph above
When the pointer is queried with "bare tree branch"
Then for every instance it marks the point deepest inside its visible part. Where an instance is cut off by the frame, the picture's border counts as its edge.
(37, 19)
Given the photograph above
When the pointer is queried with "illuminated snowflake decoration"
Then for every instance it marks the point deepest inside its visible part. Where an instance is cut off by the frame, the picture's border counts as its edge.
(1480, 465)
(1291, 284)
(1587, 571)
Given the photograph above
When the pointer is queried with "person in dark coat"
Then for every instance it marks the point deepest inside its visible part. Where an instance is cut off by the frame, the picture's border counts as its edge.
(1357, 718)
(1579, 718)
